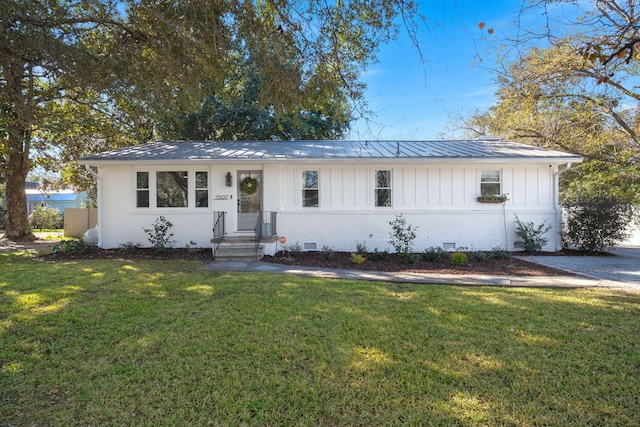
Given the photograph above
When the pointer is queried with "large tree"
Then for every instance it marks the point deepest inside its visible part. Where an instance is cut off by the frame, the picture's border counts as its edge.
(82, 75)
(575, 86)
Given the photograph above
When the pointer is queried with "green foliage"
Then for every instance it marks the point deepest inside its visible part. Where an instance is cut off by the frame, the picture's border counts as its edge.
(574, 93)
(433, 254)
(479, 255)
(361, 248)
(459, 258)
(3, 218)
(327, 253)
(71, 245)
(159, 236)
(402, 235)
(45, 217)
(272, 77)
(409, 258)
(500, 253)
(129, 247)
(357, 258)
(596, 222)
(492, 198)
(378, 255)
(532, 236)
(294, 249)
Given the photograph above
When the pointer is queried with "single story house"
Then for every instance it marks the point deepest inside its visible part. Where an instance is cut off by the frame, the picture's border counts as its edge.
(333, 194)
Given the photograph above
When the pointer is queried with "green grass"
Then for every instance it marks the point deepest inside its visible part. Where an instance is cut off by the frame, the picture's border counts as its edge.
(163, 343)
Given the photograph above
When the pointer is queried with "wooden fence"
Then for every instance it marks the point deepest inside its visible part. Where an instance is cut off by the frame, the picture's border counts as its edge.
(79, 220)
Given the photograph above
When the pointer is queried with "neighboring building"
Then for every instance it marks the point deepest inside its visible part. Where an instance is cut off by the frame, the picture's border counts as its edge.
(58, 199)
(330, 193)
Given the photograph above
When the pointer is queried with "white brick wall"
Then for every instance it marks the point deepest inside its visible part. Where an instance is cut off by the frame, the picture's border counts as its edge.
(342, 231)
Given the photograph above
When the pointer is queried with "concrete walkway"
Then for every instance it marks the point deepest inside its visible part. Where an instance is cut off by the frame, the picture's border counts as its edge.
(622, 271)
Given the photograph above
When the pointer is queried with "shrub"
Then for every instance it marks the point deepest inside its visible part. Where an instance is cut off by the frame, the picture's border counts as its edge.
(596, 223)
(480, 255)
(532, 240)
(294, 249)
(327, 253)
(379, 256)
(500, 253)
(72, 245)
(459, 258)
(402, 237)
(159, 235)
(357, 258)
(129, 247)
(45, 217)
(408, 257)
(361, 249)
(432, 254)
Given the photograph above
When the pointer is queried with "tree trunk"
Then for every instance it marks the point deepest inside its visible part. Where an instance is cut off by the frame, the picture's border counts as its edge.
(17, 220)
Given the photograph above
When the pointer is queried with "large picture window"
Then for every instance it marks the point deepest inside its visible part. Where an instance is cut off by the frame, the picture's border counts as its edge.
(142, 189)
(383, 188)
(310, 189)
(490, 182)
(172, 189)
(202, 189)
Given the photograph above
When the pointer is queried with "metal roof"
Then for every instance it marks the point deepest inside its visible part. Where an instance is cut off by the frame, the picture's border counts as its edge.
(484, 148)
(65, 197)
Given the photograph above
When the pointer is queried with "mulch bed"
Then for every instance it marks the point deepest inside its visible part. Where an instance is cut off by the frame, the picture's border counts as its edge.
(340, 260)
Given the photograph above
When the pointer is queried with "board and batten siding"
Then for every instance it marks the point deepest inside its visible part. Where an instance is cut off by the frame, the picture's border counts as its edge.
(416, 187)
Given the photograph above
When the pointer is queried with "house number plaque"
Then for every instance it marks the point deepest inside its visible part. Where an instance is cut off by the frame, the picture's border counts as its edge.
(223, 196)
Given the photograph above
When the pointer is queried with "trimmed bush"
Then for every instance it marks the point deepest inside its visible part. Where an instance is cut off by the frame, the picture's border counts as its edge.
(459, 258)
(597, 222)
(433, 254)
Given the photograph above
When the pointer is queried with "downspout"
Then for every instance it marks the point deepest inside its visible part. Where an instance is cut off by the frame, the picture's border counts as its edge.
(556, 201)
(99, 193)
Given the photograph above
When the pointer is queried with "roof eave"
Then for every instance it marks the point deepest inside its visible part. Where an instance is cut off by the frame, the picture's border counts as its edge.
(485, 160)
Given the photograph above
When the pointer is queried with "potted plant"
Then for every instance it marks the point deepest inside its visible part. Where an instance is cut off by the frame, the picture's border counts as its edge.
(492, 198)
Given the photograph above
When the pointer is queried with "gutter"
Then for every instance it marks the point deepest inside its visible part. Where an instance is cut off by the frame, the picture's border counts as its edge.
(556, 202)
(87, 167)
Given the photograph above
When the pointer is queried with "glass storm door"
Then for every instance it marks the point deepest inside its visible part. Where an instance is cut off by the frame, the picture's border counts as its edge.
(249, 198)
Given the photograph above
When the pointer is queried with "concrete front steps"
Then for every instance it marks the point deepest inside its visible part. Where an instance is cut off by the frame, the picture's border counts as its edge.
(239, 248)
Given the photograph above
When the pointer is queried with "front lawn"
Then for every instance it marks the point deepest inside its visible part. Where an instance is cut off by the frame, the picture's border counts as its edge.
(150, 343)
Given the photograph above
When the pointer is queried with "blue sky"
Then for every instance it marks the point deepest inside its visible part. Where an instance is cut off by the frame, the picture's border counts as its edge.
(415, 100)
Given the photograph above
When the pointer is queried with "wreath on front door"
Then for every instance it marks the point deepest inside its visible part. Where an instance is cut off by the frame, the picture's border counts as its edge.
(249, 185)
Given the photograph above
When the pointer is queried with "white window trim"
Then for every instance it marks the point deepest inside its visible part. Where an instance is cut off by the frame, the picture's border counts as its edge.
(303, 188)
(500, 179)
(153, 201)
(376, 188)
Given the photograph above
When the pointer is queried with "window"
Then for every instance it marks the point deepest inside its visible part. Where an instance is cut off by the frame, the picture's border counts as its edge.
(490, 182)
(202, 189)
(383, 188)
(172, 189)
(310, 189)
(142, 189)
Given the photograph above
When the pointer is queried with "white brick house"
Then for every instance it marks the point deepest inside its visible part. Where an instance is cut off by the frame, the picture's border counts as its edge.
(329, 193)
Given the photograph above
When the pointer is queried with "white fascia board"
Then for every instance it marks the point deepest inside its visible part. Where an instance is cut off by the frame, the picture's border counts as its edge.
(439, 160)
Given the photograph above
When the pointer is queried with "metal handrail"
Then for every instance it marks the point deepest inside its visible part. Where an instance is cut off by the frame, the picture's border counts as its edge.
(219, 230)
(264, 218)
